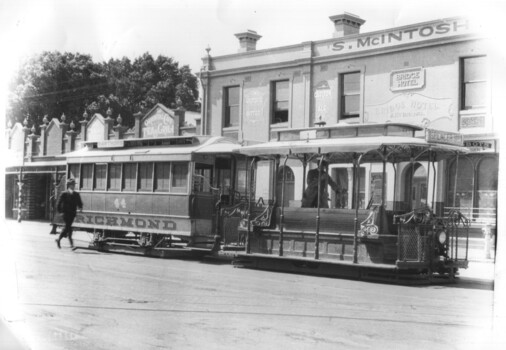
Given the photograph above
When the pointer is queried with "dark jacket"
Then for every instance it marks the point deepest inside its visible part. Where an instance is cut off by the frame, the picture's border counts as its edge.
(310, 195)
(68, 203)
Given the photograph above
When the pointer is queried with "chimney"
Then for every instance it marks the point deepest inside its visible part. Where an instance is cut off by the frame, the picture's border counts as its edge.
(248, 40)
(346, 24)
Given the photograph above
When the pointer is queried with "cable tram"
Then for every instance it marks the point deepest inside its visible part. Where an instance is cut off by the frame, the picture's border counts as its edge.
(384, 221)
(157, 197)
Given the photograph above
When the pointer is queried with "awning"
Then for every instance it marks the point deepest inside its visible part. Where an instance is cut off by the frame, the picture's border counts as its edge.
(39, 167)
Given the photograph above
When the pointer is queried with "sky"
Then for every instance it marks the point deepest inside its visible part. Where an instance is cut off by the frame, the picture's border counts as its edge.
(183, 29)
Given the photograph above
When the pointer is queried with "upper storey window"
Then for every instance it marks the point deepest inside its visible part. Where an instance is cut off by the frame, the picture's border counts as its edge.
(231, 106)
(350, 95)
(280, 102)
(474, 82)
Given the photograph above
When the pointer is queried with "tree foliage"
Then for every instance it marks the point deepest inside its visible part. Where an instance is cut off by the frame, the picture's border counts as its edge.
(53, 83)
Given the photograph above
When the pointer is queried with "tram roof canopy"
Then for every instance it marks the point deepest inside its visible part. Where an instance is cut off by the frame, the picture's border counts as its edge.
(177, 152)
(395, 148)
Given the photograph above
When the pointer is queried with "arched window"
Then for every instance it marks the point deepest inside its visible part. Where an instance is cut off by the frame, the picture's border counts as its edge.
(415, 190)
(289, 184)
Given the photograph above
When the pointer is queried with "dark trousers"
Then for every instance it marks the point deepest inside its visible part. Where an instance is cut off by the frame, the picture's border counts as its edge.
(67, 230)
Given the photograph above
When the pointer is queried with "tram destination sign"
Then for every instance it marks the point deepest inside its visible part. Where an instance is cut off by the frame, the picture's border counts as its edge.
(446, 137)
(481, 145)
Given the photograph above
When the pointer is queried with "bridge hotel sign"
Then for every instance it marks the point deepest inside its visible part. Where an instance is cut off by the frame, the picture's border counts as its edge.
(403, 35)
(407, 79)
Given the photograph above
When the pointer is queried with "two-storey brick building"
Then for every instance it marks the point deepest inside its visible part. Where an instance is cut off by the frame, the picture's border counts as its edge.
(436, 74)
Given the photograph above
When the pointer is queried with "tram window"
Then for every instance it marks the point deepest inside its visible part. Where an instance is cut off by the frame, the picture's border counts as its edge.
(202, 182)
(179, 177)
(129, 177)
(224, 174)
(114, 177)
(100, 177)
(162, 177)
(280, 102)
(350, 95)
(74, 173)
(145, 176)
(87, 176)
(240, 181)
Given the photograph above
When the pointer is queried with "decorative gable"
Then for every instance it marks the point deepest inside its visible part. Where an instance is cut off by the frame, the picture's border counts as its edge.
(17, 139)
(54, 138)
(159, 122)
(95, 130)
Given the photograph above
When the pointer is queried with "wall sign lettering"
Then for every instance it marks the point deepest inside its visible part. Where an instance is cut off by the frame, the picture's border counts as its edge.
(407, 79)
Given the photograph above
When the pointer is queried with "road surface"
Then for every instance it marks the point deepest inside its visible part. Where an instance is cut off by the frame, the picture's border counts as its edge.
(64, 299)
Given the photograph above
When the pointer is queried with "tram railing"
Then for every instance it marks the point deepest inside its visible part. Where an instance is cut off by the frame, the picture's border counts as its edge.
(478, 216)
(423, 237)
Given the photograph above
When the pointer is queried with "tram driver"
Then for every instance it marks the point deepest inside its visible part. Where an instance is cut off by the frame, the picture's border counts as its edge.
(310, 196)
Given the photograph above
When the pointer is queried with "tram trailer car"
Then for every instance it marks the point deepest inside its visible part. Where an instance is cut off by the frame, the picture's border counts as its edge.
(154, 197)
(363, 238)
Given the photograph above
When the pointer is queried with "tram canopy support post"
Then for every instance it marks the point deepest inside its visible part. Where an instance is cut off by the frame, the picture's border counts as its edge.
(304, 168)
(356, 180)
(455, 203)
(248, 232)
(433, 185)
(395, 205)
(383, 194)
(410, 191)
(317, 235)
(282, 215)
(428, 176)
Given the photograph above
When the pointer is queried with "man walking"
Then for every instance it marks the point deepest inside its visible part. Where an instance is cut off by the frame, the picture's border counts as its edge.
(67, 206)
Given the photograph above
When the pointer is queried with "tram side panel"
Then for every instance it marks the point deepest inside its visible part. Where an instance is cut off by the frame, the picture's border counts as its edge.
(336, 237)
(136, 212)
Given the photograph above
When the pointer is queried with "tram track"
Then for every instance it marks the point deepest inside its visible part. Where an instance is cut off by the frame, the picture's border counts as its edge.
(250, 313)
(261, 278)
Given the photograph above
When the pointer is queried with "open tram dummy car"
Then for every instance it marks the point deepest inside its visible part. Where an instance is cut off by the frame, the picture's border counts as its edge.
(394, 229)
(158, 197)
